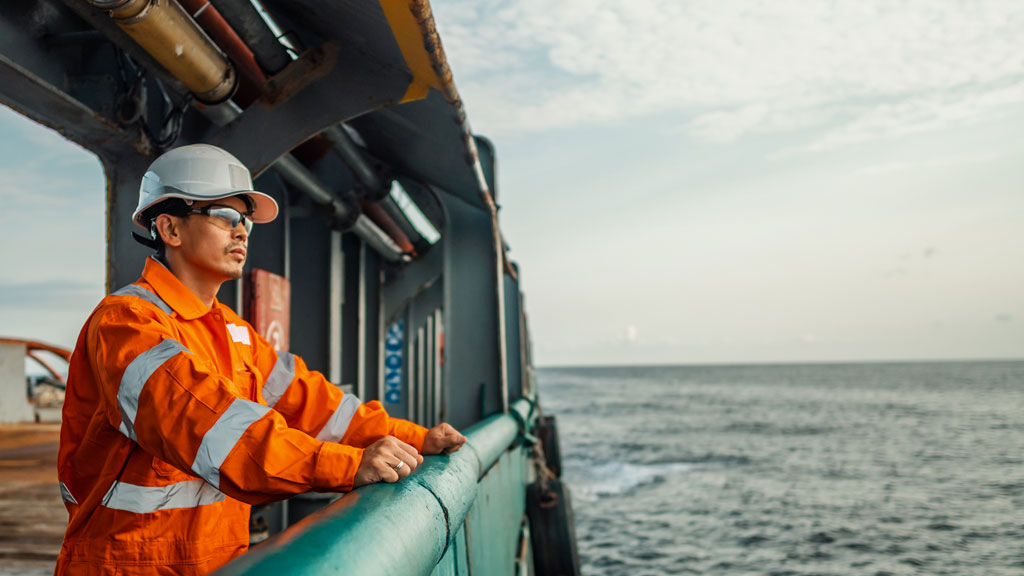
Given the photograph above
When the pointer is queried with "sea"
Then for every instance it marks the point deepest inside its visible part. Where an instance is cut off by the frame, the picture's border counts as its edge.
(787, 470)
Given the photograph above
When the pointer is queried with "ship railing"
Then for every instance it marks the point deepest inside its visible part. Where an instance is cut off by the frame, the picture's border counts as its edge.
(410, 526)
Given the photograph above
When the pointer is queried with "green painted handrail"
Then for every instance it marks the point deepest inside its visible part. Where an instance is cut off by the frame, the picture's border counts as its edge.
(401, 528)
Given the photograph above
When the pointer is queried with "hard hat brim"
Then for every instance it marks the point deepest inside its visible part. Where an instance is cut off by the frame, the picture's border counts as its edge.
(264, 209)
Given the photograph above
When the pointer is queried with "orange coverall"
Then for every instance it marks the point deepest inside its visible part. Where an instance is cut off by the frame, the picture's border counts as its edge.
(177, 418)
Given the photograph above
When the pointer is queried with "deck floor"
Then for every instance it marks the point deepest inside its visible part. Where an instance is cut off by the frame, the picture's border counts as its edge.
(32, 515)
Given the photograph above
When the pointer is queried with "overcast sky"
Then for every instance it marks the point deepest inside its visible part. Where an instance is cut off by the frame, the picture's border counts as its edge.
(688, 182)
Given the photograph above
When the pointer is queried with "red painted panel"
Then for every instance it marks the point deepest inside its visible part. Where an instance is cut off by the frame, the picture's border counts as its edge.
(269, 305)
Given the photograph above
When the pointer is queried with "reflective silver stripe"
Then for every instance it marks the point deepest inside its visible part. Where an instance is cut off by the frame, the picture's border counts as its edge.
(280, 377)
(144, 499)
(135, 377)
(65, 494)
(140, 292)
(335, 428)
(221, 438)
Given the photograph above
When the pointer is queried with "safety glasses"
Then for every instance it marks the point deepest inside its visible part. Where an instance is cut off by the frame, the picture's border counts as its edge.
(224, 216)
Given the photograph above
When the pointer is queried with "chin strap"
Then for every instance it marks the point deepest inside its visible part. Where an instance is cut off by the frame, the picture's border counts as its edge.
(150, 242)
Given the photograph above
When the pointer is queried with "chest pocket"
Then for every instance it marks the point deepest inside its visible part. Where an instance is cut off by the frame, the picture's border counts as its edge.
(247, 378)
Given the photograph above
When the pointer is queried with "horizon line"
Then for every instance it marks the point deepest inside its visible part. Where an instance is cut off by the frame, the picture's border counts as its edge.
(770, 363)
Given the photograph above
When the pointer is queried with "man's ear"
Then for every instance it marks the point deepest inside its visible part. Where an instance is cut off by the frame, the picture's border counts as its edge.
(169, 229)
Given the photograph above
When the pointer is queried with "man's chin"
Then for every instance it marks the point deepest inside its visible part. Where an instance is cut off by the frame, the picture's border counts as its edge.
(235, 272)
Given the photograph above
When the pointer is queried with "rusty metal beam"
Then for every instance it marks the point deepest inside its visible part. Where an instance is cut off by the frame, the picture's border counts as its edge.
(37, 99)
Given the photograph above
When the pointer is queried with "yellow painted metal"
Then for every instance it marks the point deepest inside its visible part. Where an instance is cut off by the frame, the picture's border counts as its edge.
(410, 31)
(165, 30)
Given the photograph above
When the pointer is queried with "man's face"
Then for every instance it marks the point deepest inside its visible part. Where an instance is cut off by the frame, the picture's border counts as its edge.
(211, 245)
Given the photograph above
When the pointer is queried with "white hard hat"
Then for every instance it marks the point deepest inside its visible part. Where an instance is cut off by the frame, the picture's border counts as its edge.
(200, 172)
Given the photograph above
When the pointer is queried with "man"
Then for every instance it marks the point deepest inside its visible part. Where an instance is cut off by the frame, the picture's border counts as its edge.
(179, 416)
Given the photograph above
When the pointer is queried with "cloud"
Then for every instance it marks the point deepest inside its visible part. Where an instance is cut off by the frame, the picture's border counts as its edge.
(29, 188)
(928, 113)
(858, 70)
(48, 295)
(976, 158)
(40, 169)
(883, 168)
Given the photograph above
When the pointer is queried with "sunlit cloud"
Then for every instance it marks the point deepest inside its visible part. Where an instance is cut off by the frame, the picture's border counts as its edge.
(857, 70)
(924, 114)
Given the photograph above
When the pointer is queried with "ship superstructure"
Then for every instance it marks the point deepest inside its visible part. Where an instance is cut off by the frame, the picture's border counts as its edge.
(388, 271)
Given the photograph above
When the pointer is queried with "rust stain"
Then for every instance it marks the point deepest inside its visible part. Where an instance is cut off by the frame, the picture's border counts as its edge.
(432, 42)
(311, 65)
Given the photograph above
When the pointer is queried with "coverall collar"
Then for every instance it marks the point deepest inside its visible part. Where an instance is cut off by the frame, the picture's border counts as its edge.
(173, 292)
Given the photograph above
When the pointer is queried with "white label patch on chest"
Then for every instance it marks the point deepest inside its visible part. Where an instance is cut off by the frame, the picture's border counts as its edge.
(239, 334)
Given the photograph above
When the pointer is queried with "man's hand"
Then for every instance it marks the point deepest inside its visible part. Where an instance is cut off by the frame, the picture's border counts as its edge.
(442, 439)
(387, 460)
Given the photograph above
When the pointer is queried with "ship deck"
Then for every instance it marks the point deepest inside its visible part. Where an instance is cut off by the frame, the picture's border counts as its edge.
(32, 516)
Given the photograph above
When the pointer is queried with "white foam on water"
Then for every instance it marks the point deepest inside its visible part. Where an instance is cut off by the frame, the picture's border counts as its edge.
(593, 481)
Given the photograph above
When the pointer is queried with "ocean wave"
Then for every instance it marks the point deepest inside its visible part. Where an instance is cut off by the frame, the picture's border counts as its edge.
(842, 470)
(774, 428)
(594, 481)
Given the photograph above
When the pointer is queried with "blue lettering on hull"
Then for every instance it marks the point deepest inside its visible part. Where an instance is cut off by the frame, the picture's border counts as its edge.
(393, 346)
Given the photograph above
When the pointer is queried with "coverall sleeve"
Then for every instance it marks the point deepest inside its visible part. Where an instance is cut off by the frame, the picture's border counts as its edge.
(311, 403)
(177, 407)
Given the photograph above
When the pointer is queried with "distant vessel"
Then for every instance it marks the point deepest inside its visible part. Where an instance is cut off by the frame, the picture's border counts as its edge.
(389, 264)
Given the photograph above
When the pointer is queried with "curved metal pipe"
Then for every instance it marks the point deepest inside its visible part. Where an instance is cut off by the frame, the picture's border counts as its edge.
(32, 346)
(37, 345)
(401, 220)
(353, 158)
(247, 22)
(46, 366)
(299, 176)
(351, 154)
(219, 114)
(166, 31)
(250, 78)
(378, 240)
(376, 213)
